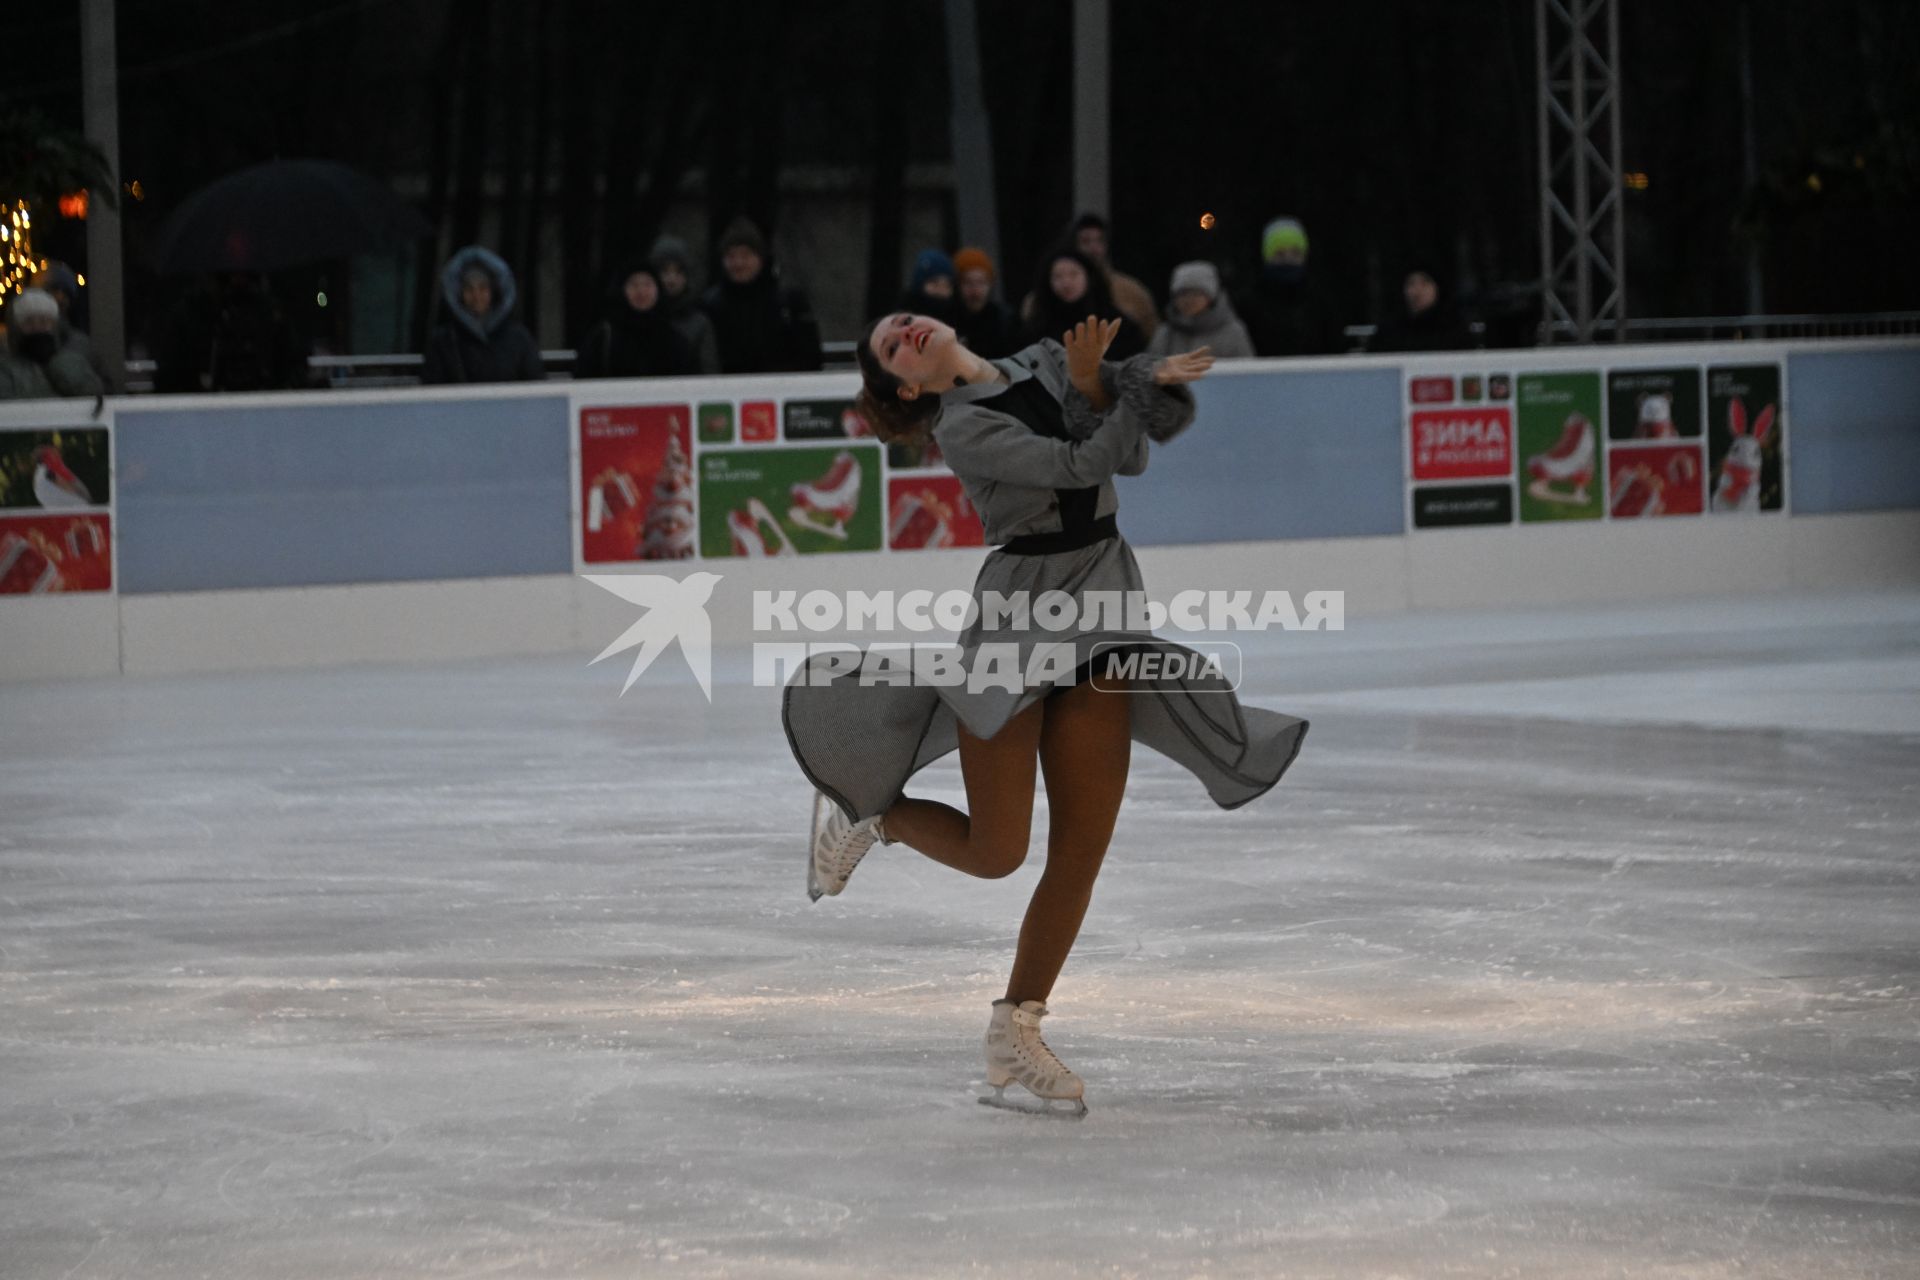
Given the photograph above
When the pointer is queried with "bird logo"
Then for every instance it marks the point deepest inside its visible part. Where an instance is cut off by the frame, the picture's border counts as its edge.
(676, 609)
(55, 487)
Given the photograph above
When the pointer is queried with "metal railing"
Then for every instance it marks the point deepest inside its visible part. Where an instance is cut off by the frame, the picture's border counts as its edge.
(402, 369)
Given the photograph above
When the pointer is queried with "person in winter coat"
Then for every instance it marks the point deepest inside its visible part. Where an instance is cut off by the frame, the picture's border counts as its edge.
(637, 339)
(930, 291)
(480, 341)
(1282, 310)
(1428, 320)
(985, 324)
(673, 268)
(1070, 288)
(1090, 236)
(760, 325)
(60, 280)
(1200, 316)
(34, 365)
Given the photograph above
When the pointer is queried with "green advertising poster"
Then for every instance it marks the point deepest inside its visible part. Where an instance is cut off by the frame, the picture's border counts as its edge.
(716, 422)
(1653, 404)
(1746, 431)
(1557, 441)
(790, 501)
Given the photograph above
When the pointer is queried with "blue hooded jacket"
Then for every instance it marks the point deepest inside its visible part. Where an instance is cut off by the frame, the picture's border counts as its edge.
(490, 348)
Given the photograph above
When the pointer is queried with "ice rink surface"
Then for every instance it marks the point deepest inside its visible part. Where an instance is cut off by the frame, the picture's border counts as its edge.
(1578, 943)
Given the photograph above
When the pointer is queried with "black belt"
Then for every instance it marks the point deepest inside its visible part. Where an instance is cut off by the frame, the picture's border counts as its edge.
(1046, 544)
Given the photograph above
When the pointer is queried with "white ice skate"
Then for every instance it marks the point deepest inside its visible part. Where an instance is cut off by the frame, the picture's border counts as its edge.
(838, 846)
(1017, 1055)
(756, 533)
(1570, 461)
(827, 504)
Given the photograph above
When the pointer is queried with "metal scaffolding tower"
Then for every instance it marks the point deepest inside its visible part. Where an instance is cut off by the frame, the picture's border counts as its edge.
(1583, 267)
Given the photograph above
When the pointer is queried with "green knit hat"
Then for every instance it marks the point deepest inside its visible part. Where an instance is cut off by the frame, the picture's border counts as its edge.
(1282, 233)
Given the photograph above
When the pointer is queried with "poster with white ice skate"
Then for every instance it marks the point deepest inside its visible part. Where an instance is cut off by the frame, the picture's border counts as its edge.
(790, 501)
(636, 483)
(1746, 438)
(1559, 446)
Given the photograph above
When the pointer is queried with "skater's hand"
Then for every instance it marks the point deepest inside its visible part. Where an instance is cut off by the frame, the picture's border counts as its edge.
(1086, 343)
(1190, 367)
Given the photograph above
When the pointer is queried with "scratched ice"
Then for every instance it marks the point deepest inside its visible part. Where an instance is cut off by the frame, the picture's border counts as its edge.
(1579, 943)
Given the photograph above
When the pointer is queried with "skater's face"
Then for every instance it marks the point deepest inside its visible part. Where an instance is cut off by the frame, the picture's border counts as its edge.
(918, 350)
(1068, 280)
(642, 291)
(976, 286)
(1421, 292)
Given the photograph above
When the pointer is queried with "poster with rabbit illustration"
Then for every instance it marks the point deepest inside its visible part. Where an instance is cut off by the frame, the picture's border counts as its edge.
(1746, 438)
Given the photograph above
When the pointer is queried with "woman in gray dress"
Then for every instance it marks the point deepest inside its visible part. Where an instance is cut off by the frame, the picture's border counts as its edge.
(1036, 440)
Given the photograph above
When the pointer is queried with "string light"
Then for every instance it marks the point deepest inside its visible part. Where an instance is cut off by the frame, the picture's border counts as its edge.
(16, 232)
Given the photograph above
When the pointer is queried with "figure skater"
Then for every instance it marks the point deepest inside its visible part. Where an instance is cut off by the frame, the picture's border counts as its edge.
(1036, 440)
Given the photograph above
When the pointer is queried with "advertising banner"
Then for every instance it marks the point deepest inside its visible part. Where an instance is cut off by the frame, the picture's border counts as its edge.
(1558, 443)
(47, 553)
(1746, 436)
(636, 483)
(930, 511)
(789, 501)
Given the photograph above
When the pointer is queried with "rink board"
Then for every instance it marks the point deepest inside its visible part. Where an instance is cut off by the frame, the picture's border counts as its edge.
(311, 528)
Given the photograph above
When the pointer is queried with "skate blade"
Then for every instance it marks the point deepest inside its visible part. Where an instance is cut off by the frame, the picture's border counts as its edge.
(815, 890)
(804, 518)
(1031, 1105)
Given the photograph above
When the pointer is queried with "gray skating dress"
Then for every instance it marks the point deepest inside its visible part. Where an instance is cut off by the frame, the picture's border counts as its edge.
(1038, 464)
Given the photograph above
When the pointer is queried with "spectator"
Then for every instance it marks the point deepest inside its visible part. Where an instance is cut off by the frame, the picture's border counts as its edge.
(60, 280)
(34, 365)
(230, 335)
(673, 268)
(985, 324)
(930, 291)
(1427, 320)
(1090, 235)
(480, 341)
(1199, 315)
(637, 339)
(1282, 311)
(760, 325)
(1071, 288)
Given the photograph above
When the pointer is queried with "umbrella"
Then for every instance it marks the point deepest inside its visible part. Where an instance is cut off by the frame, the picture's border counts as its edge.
(281, 214)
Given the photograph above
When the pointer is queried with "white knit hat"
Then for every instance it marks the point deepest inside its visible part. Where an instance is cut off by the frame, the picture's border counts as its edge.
(33, 304)
(1203, 276)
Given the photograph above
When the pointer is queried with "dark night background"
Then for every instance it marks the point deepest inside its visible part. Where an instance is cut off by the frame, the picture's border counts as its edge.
(564, 134)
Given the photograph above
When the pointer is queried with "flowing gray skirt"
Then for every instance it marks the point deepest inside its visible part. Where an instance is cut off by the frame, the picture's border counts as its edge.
(859, 741)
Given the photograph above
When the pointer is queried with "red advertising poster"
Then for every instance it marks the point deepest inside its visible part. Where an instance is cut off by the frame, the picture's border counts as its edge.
(56, 553)
(1474, 442)
(1655, 480)
(636, 483)
(1430, 390)
(930, 511)
(759, 420)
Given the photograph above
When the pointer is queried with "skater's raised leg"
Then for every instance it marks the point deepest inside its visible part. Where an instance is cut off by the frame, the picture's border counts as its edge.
(990, 841)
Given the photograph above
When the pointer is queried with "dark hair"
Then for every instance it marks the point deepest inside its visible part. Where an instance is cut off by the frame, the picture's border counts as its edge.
(1087, 220)
(1099, 295)
(894, 420)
